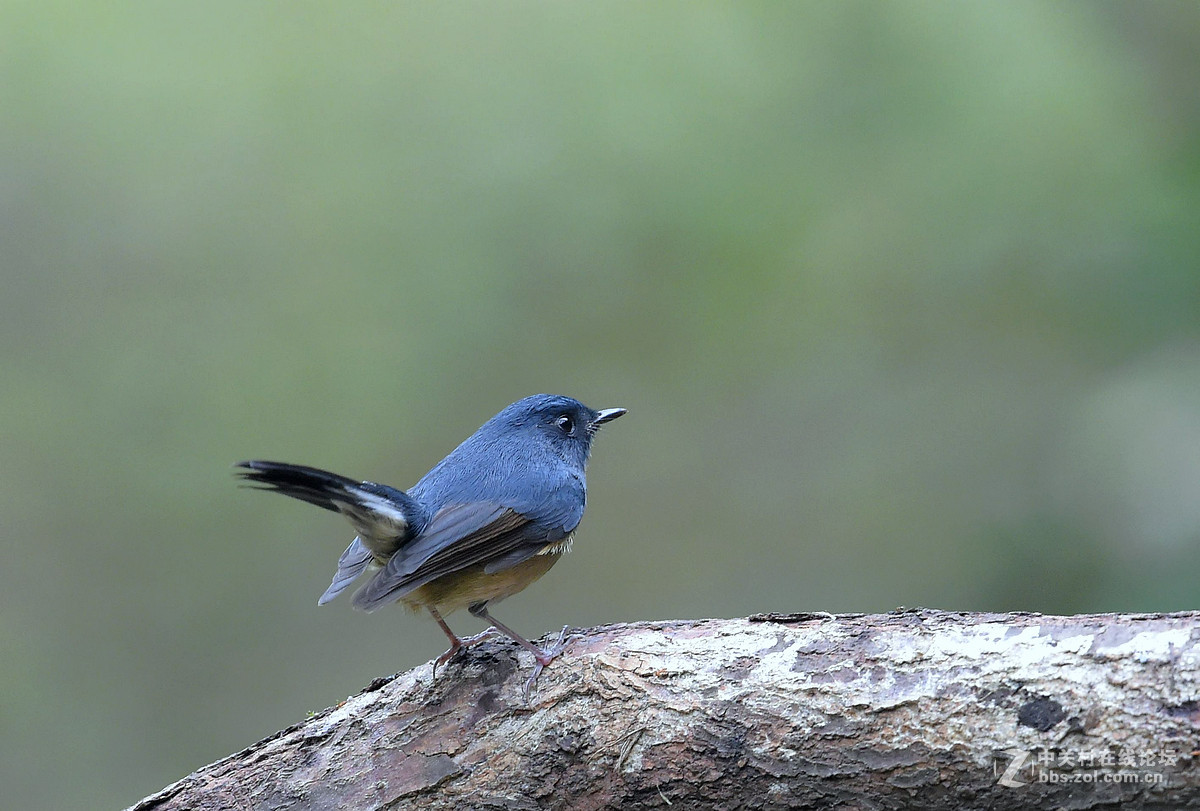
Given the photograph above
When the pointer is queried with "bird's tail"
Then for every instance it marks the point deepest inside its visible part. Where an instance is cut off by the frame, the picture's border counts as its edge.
(353, 562)
(319, 487)
(384, 517)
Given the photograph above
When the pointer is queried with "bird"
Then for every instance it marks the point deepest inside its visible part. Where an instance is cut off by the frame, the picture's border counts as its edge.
(486, 521)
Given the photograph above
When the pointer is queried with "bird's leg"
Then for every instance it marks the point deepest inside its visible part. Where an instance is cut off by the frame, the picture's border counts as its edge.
(456, 644)
(541, 657)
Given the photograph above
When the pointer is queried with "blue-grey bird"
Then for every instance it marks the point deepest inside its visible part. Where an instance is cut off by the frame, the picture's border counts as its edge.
(484, 523)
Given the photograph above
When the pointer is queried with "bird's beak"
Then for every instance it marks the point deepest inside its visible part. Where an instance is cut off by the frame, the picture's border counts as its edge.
(606, 415)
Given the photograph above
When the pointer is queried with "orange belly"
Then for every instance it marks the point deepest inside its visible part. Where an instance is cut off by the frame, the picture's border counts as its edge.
(460, 589)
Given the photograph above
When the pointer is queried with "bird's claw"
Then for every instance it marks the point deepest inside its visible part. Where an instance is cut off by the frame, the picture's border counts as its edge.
(443, 659)
(458, 646)
(543, 658)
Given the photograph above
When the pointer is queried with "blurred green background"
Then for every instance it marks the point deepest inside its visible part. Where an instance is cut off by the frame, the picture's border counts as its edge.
(903, 299)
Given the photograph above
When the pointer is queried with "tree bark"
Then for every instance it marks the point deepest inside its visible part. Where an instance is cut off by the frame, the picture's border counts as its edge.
(913, 709)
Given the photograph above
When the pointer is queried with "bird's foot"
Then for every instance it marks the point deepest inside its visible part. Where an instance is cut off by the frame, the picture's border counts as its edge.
(458, 646)
(482, 636)
(544, 657)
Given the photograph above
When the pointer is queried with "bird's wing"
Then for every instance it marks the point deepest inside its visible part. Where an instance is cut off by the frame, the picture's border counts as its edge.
(457, 537)
(383, 516)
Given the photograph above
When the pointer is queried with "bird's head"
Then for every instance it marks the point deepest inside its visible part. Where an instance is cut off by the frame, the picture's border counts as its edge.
(559, 422)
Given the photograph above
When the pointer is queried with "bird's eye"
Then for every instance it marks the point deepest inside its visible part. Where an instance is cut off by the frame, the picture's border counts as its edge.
(565, 424)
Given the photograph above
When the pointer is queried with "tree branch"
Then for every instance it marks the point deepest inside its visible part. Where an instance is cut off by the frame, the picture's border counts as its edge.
(912, 709)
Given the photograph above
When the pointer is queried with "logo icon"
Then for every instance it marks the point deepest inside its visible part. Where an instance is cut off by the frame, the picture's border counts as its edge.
(1009, 777)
